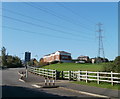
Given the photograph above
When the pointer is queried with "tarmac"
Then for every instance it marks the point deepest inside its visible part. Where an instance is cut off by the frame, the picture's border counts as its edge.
(39, 81)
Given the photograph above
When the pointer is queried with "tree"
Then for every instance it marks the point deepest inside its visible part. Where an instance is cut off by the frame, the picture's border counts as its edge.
(42, 63)
(13, 61)
(33, 62)
(10, 61)
(3, 52)
(113, 66)
(117, 64)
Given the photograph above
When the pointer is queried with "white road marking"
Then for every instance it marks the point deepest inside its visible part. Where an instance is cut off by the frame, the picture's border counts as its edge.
(21, 74)
(34, 85)
(86, 93)
(21, 80)
(81, 92)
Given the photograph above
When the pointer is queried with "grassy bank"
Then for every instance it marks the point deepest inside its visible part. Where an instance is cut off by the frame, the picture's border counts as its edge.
(75, 67)
(102, 85)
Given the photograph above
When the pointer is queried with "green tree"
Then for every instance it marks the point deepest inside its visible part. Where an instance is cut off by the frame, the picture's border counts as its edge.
(113, 66)
(33, 62)
(117, 64)
(13, 61)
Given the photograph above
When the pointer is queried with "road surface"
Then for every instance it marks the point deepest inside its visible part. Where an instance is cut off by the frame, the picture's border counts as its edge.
(13, 88)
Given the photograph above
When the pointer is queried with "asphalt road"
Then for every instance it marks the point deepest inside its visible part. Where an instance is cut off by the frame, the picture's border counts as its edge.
(13, 88)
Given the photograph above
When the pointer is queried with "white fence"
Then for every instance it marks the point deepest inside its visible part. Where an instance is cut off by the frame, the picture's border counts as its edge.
(43, 72)
(109, 77)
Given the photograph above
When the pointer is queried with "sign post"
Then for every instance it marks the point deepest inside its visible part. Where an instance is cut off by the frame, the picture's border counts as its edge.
(26, 71)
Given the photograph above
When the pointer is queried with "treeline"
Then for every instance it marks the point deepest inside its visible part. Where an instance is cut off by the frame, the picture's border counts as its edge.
(14, 61)
(9, 60)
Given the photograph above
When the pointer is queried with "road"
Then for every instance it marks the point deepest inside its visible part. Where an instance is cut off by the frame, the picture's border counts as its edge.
(13, 88)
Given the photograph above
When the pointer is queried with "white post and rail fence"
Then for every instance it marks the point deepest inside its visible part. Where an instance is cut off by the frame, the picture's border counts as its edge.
(44, 72)
(98, 77)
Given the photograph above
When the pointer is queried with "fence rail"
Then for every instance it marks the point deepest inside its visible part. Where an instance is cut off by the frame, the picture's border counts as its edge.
(43, 72)
(109, 77)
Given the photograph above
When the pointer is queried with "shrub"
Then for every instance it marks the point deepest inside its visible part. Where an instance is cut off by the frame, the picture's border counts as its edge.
(54, 62)
(113, 66)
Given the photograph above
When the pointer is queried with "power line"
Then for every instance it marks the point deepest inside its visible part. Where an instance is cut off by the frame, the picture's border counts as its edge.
(70, 19)
(30, 23)
(40, 20)
(58, 16)
(43, 34)
(72, 11)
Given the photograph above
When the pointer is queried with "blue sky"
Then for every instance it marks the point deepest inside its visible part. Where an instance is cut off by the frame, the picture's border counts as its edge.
(67, 26)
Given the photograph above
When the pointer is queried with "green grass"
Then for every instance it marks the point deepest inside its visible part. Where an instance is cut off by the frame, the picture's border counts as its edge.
(101, 85)
(75, 67)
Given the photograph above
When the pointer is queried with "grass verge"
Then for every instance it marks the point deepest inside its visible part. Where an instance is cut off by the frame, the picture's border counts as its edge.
(75, 67)
(101, 85)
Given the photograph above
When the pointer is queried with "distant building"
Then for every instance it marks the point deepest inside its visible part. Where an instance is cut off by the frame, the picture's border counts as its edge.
(83, 58)
(80, 62)
(93, 60)
(60, 56)
(27, 56)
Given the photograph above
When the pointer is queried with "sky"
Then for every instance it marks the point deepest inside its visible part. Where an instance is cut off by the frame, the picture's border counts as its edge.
(46, 27)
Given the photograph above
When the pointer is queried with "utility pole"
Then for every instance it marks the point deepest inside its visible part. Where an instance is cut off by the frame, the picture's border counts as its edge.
(100, 43)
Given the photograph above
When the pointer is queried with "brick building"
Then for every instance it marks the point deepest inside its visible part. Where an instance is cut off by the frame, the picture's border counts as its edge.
(61, 56)
(83, 58)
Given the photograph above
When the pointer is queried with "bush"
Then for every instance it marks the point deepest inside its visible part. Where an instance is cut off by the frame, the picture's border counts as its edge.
(113, 66)
(60, 62)
(54, 62)
(107, 67)
(43, 63)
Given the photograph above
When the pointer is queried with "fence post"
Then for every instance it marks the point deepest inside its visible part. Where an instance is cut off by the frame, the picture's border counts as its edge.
(98, 77)
(86, 76)
(62, 74)
(56, 75)
(49, 82)
(31, 69)
(79, 75)
(53, 82)
(34, 70)
(74, 76)
(52, 74)
(69, 75)
(39, 71)
(111, 78)
(44, 73)
(26, 73)
(45, 81)
(47, 73)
